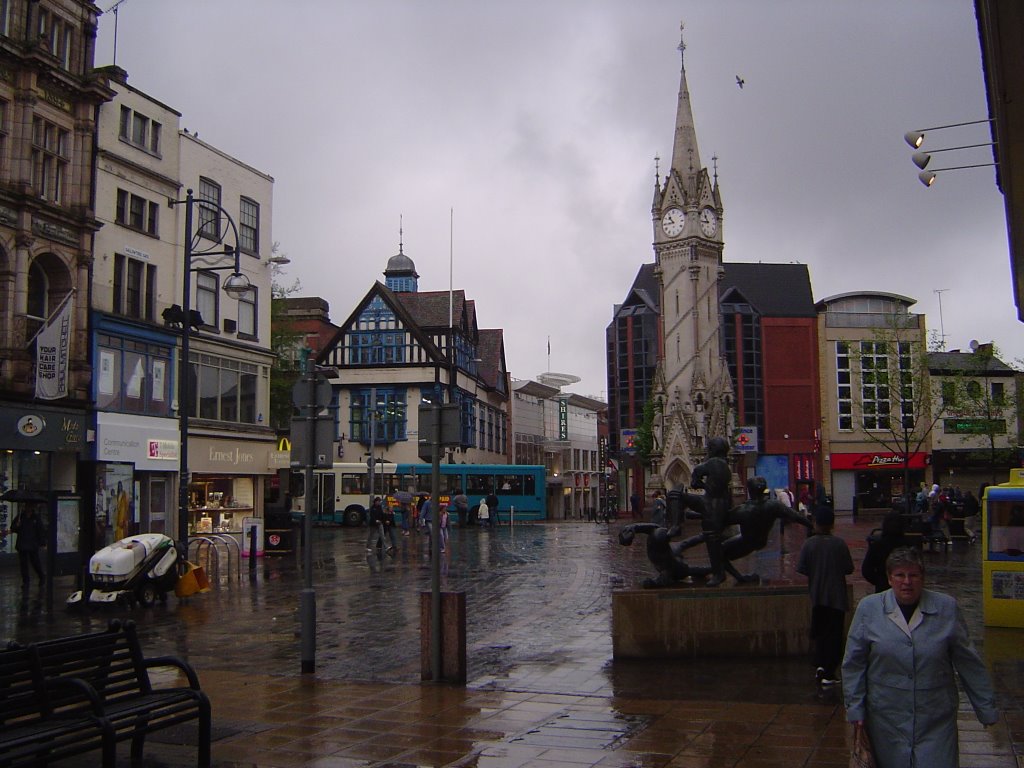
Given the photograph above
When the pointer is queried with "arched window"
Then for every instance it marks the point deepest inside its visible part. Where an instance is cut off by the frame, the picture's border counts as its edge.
(38, 287)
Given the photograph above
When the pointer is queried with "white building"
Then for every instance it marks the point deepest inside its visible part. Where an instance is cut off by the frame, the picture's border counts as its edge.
(145, 165)
(559, 430)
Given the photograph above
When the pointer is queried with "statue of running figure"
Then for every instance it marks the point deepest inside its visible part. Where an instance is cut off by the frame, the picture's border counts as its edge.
(714, 477)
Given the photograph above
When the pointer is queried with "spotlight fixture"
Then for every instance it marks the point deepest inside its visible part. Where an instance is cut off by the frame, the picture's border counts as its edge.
(916, 138)
(928, 177)
(921, 159)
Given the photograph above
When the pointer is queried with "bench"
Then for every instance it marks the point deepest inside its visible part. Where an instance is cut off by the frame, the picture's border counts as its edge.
(88, 692)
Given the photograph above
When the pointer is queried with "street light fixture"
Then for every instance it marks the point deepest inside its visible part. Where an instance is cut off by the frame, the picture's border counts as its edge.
(235, 286)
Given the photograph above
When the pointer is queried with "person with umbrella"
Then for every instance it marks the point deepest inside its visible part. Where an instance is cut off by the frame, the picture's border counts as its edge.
(31, 536)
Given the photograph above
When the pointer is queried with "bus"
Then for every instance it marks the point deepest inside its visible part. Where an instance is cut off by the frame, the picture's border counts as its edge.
(341, 495)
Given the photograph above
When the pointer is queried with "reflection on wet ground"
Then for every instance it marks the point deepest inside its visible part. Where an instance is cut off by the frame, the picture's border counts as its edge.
(543, 688)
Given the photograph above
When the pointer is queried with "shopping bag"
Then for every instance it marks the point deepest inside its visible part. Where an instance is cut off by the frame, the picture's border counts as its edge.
(861, 755)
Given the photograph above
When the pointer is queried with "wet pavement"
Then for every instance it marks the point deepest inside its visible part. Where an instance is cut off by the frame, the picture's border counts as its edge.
(542, 687)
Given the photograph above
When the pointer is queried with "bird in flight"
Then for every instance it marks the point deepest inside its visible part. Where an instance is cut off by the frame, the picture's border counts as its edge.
(740, 81)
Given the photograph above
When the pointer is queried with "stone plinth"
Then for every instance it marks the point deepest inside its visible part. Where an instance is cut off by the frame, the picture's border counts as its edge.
(694, 622)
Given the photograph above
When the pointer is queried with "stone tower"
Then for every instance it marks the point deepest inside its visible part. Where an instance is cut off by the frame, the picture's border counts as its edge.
(694, 387)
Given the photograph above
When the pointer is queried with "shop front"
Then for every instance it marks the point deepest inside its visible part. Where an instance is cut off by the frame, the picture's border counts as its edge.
(40, 452)
(228, 479)
(136, 475)
(873, 480)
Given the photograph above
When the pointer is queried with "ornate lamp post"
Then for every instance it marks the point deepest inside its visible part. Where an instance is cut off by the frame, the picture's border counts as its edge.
(236, 286)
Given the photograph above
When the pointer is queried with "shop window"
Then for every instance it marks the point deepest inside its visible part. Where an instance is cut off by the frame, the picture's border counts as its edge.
(132, 376)
(225, 389)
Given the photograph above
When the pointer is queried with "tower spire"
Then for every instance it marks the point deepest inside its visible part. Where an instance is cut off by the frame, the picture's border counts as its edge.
(685, 158)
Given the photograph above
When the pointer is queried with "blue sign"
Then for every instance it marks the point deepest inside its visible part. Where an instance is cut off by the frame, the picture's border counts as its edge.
(744, 440)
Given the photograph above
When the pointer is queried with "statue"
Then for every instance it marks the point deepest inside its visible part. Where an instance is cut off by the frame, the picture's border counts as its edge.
(755, 517)
(714, 476)
(665, 555)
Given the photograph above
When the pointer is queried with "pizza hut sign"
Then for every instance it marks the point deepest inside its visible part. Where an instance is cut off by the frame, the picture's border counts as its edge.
(861, 461)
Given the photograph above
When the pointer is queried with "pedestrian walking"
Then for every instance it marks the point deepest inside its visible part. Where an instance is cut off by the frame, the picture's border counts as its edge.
(375, 534)
(659, 510)
(443, 529)
(31, 536)
(898, 672)
(492, 506)
(636, 506)
(388, 523)
(483, 514)
(892, 536)
(461, 503)
(825, 561)
(971, 511)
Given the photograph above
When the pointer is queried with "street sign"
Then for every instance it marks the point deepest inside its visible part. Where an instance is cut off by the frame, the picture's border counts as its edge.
(450, 433)
(323, 393)
(323, 452)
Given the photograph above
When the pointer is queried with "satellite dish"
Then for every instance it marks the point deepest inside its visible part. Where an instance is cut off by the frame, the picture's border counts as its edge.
(974, 345)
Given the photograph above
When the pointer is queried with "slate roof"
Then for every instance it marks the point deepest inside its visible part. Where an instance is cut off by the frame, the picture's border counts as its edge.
(491, 348)
(774, 290)
(966, 362)
(643, 291)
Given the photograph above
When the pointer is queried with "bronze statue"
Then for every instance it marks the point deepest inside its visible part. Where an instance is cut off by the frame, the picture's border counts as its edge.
(665, 555)
(714, 477)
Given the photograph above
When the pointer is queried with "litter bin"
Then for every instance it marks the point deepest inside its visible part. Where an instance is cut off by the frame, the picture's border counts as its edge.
(279, 535)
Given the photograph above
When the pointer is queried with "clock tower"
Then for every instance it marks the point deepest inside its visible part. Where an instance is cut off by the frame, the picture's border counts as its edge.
(693, 385)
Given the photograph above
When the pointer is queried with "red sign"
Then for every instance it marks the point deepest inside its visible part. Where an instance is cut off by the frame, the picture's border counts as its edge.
(863, 461)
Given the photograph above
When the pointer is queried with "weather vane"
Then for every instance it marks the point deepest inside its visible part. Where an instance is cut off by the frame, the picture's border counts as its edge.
(682, 45)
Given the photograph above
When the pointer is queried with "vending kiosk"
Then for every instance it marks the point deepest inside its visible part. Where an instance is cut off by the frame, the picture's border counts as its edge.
(1002, 516)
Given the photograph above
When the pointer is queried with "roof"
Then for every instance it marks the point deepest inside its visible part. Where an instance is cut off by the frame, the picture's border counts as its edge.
(967, 362)
(491, 348)
(854, 294)
(774, 290)
(645, 290)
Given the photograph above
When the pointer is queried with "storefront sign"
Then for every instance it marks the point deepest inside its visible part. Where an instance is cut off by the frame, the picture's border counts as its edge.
(744, 440)
(868, 461)
(231, 457)
(148, 442)
(39, 428)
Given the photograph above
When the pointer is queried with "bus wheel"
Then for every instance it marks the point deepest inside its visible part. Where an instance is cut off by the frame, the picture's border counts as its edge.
(353, 516)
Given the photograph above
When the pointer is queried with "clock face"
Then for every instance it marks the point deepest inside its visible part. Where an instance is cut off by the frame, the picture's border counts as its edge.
(708, 222)
(673, 221)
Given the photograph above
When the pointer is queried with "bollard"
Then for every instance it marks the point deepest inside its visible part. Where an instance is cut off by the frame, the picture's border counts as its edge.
(252, 547)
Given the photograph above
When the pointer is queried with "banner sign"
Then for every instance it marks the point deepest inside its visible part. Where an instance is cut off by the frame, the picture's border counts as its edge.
(53, 347)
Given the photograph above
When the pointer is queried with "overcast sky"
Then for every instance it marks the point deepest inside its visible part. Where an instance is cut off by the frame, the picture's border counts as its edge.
(533, 126)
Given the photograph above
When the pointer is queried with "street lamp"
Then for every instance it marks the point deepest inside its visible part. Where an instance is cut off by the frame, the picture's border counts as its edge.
(236, 286)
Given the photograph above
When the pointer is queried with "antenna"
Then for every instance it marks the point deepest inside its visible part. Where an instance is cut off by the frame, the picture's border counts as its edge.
(115, 8)
(942, 329)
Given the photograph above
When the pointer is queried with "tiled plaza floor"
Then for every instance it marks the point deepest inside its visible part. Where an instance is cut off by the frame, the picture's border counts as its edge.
(543, 689)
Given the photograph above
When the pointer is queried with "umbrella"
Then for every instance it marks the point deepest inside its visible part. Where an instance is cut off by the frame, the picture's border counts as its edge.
(23, 496)
(403, 497)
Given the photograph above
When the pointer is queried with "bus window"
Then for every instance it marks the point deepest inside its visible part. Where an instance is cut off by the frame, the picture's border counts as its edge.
(352, 485)
(510, 484)
(388, 485)
(325, 504)
(477, 484)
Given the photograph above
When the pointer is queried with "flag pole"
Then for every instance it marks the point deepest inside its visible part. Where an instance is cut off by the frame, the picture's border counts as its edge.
(57, 311)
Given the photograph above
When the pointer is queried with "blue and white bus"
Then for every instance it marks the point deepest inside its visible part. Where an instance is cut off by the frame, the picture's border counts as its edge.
(341, 495)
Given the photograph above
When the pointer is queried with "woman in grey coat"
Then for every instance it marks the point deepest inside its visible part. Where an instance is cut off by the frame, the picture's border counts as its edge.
(903, 647)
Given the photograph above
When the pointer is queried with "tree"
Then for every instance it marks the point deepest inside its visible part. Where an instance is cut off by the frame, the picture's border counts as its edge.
(980, 394)
(646, 443)
(888, 390)
(285, 340)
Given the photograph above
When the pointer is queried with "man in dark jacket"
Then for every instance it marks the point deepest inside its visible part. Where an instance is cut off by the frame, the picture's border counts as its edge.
(31, 536)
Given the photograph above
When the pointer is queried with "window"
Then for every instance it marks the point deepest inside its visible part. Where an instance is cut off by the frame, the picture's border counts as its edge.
(223, 389)
(206, 297)
(948, 394)
(249, 226)
(139, 130)
(376, 338)
(844, 388)
(998, 393)
(5, 17)
(209, 209)
(3, 121)
(134, 288)
(388, 416)
(874, 374)
(137, 213)
(55, 33)
(49, 159)
(247, 314)
(132, 376)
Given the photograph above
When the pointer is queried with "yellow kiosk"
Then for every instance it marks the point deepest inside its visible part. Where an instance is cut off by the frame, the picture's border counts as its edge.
(1002, 516)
